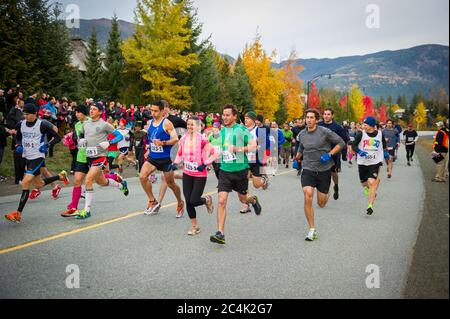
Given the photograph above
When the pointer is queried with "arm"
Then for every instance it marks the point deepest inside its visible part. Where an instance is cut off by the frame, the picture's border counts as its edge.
(335, 139)
(170, 129)
(356, 142)
(50, 130)
(179, 156)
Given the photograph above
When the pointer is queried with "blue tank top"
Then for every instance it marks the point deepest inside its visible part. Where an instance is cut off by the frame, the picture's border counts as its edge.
(158, 133)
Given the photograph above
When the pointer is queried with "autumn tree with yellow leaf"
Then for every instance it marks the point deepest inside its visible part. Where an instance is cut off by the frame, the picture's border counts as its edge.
(355, 102)
(292, 87)
(265, 81)
(157, 49)
(420, 115)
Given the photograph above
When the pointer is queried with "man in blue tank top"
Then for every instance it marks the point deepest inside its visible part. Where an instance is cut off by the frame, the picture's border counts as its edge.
(162, 136)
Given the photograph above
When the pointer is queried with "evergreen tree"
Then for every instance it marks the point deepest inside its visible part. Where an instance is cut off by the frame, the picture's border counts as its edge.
(94, 68)
(281, 114)
(114, 64)
(240, 90)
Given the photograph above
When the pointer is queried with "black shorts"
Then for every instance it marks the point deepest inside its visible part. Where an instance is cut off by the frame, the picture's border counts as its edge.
(233, 181)
(33, 167)
(124, 150)
(161, 164)
(337, 163)
(392, 152)
(369, 171)
(98, 162)
(319, 180)
(81, 167)
(255, 169)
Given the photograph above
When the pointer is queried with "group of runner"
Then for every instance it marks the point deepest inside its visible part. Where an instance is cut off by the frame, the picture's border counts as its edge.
(237, 153)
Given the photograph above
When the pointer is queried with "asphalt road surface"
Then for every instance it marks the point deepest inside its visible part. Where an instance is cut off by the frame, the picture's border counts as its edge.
(120, 253)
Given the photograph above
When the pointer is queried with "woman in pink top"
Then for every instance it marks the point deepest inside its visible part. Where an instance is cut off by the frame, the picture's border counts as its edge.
(194, 150)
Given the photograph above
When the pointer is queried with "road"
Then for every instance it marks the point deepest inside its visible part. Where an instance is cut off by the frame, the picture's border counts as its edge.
(120, 253)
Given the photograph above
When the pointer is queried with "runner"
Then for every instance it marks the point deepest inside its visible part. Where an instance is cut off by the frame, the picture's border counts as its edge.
(286, 147)
(352, 132)
(233, 175)
(193, 149)
(162, 137)
(35, 193)
(30, 143)
(331, 124)
(215, 141)
(124, 145)
(94, 135)
(393, 142)
(371, 147)
(255, 162)
(411, 138)
(315, 147)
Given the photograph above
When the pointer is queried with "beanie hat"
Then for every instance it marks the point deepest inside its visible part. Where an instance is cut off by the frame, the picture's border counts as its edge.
(260, 118)
(82, 109)
(251, 115)
(99, 105)
(30, 108)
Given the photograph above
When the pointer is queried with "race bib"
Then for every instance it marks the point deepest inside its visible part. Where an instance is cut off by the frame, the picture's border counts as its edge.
(371, 156)
(91, 151)
(28, 145)
(228, 156)
(410, 139)
(251, 157)
(352, 139)
(156, 149)
(138, 143)
(191, 166)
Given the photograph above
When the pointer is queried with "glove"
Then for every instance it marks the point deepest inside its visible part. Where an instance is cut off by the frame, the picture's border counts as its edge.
(362, 153)
(295, 165)
(387, 156)
(19, 149)
(201, 168)
(325, 158)
(43, 148)
(104, 145)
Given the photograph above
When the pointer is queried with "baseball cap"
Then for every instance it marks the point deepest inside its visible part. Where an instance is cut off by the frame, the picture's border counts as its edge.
(370, 121)
(30, 108)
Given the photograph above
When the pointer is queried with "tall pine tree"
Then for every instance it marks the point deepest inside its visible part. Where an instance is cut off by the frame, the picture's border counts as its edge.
(114, 64)
(94, 68)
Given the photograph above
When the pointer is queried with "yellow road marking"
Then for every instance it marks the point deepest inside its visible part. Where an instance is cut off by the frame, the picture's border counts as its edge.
(90, 227)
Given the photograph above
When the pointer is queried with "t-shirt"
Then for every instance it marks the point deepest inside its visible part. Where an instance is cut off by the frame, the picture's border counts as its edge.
(315, 144)
(392, 137)
(410, 137)
(96, 133)
(81, 154)
(237, 136)
(288, 135)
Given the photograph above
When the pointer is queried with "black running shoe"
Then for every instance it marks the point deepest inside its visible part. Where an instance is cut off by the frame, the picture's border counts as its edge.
(336, 192)
(218, 238)
(257, 206)
(369, 211)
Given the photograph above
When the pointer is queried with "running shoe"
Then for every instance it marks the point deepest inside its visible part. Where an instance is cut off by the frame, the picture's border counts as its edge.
(71, 212)
(209, 204)
(370, 210)
(194, 231)
(218, 238)
(56, 191)
(34, 194)
(180, 210)
(153, 178)
(265, 182)
(409, 164)
(64, 177)
(14, 217)
(257, 206)
(312, 235)
(124, 188)
(151, 207)
(84, 214)
(389, 176)
(336, 192)
(245, 210)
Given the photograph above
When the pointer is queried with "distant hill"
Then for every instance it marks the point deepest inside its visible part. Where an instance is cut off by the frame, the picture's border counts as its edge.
(408, 71)
(401, 72)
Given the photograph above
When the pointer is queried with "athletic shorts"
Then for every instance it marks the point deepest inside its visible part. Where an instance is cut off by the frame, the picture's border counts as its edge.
(337, 163)
(255, 169)
(124, 150)
(33, 167)
(81, 167)
(368, 171)
(286, 150)
(112, 154)
(392, 152)
(97, 162)
(161, 164)
(233, 181)
(319, 180)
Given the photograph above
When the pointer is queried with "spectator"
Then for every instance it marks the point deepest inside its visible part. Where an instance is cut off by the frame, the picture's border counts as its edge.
(4, 133)
(15, 116)
(440, 152)
(3, 107)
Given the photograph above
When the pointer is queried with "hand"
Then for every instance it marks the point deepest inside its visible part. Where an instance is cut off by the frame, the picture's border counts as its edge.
(387, 156)
(19, 149)
(43, 148)
(201, 168)
(362, 153)
(157, 142)
(325, 158)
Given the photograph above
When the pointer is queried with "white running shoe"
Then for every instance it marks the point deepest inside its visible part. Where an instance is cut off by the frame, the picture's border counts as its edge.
(312, 235)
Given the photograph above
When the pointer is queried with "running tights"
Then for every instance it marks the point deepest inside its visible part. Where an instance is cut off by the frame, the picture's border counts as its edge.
(193, 188)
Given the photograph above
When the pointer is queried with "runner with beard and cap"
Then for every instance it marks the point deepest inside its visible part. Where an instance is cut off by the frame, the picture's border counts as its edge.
(30, 142)
(392, 136)
(411, 138)
(94, 136)
(371, 147)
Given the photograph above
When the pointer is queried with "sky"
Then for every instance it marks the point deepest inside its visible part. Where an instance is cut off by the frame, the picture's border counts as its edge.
(313, 28)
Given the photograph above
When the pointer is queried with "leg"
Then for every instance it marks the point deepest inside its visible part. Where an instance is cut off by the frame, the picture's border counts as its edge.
(146, 170)
(308, 193)
(188, 187)
(222, 212)
(169, 176)
(373, 187)
(76, 192)
(162, 189)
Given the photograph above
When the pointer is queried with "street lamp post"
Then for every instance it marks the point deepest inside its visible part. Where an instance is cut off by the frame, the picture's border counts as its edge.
(309, 84)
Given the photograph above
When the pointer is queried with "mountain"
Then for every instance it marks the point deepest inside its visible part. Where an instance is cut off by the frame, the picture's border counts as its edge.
(103, 27)
(401, 72)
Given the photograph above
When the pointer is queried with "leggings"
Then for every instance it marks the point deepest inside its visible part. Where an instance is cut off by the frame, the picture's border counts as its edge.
(410, 151)
(193, 188)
